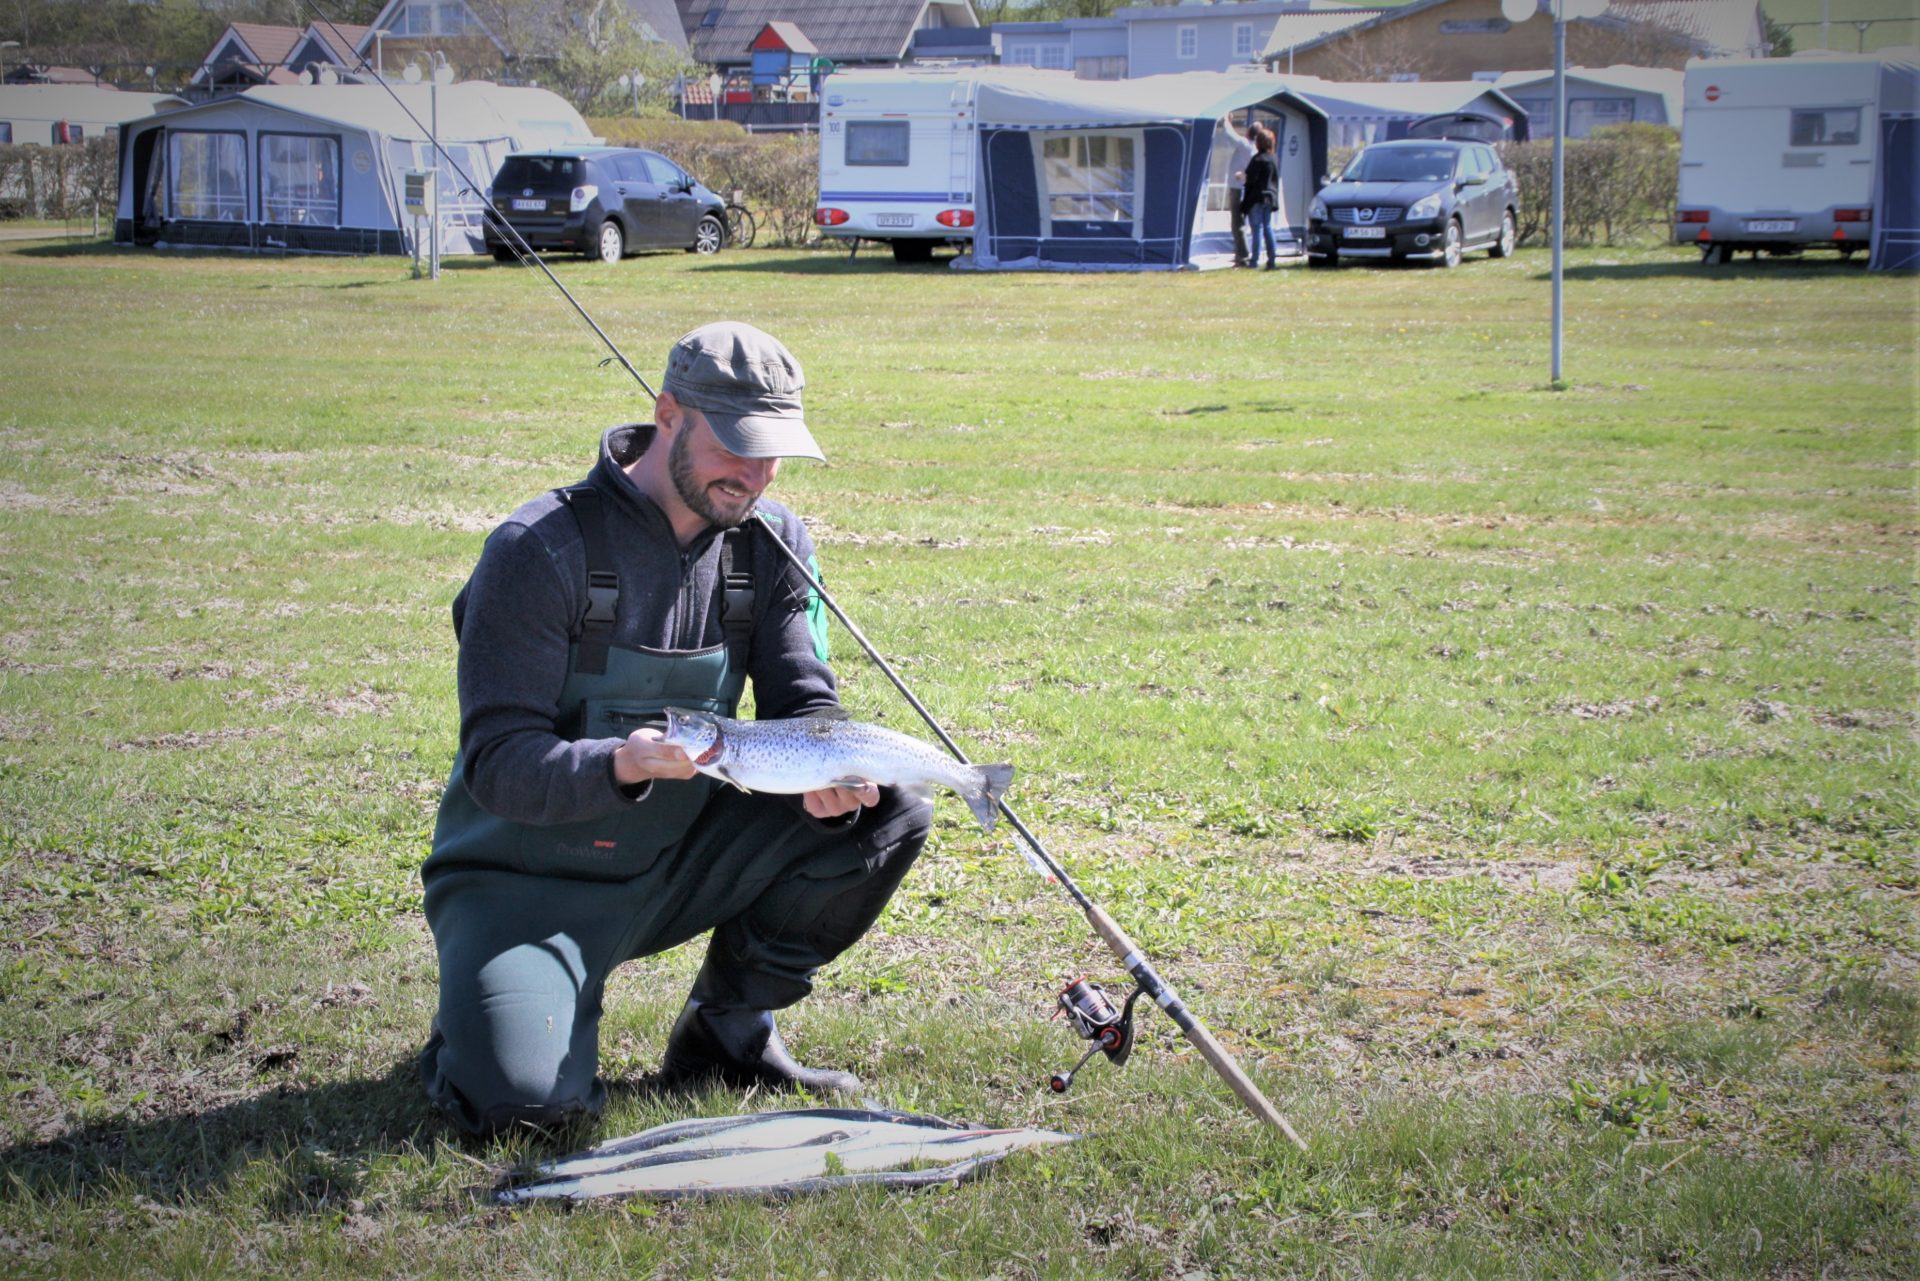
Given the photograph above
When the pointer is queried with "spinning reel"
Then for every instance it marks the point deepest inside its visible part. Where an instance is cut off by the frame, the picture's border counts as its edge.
(1087, 1006)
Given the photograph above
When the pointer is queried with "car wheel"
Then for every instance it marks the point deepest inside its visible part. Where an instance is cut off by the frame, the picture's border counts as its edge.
(1329, 259)
(612, 245)
(912, 250)
(502, 254)
(1504, 246)
(1450, 251)
(709, 235)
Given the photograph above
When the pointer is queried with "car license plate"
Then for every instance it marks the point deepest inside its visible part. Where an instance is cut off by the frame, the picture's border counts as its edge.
(1366, 233)
(893, 220)
(1772, 224)
(529, 204)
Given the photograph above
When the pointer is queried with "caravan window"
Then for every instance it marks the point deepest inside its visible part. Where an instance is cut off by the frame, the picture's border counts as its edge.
(1090, 177)
(877, 142)
(300, 179)
(209, 172)
(6, 131)
(1826, 127)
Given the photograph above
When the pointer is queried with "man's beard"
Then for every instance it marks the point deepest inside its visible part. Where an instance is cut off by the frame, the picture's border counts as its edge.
(698, 498)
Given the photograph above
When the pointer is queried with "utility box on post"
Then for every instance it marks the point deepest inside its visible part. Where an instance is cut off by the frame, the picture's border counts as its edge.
(420, 200)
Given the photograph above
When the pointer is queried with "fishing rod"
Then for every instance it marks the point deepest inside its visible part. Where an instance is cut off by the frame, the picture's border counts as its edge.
(1086, 1005)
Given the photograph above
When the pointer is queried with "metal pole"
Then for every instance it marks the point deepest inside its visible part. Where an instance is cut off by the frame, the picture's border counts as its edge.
(1559, 175)
(433, 131)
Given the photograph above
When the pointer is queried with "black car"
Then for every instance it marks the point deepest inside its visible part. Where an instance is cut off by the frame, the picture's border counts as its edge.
(604, 202)
(1418, 199)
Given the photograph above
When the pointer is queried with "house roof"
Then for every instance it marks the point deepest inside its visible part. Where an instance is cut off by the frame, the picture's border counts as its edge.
(1719, 28)
(790, 36)
(662, 18)
(35, 73)
(269, 45)
(719, 31)
(1292, 30)
(343, 38)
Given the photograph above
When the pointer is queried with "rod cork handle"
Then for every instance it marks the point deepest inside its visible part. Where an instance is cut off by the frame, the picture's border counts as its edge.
(1216, 1054)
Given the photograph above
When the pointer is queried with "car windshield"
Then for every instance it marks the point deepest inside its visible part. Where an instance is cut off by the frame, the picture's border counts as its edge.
(539, 173)
(1401, 164)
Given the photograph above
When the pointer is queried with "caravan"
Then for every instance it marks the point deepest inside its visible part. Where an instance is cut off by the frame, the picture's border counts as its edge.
(1780, 155)
(898, 155)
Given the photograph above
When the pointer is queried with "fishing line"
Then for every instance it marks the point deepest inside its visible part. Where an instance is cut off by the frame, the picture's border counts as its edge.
(508, 232)
(1093, 1016)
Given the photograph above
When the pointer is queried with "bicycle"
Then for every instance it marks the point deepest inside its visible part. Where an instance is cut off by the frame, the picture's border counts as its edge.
(740, 225)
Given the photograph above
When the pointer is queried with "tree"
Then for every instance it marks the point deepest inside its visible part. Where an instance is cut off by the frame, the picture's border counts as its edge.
(581, 48)
(1779, 38)
(606, 46)
(1380, 53)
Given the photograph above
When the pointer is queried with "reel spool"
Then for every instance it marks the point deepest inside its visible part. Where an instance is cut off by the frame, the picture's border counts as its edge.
(1091, 1012)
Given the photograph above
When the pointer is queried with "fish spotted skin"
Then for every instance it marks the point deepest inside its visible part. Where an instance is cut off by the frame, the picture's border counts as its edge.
(807, 754)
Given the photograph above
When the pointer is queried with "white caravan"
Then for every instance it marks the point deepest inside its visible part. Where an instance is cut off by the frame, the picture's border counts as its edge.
(899, 154)
(1780, 155)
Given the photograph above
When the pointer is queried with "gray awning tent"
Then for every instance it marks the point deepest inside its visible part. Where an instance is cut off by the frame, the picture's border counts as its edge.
(1130, 175)
(321, 168)
(1370, 112)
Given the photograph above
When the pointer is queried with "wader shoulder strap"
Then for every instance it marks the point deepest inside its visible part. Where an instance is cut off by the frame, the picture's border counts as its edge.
(594, 632)
(736, 585)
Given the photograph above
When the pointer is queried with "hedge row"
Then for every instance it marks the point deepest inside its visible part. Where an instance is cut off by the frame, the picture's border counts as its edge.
(59, 182)
(1621, 184)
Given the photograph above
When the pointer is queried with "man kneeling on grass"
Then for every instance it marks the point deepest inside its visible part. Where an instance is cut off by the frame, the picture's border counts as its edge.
(570, 838)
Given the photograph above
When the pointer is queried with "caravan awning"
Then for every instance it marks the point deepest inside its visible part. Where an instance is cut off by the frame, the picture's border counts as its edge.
(1067, 103)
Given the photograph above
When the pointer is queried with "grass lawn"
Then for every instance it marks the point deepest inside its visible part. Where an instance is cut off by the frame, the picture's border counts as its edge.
(1520, 782)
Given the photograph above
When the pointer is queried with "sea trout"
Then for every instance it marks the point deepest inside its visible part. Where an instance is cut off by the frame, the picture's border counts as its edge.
(808, 753)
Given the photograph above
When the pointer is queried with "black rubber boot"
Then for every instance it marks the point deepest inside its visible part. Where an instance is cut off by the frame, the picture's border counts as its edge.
(740, 1049)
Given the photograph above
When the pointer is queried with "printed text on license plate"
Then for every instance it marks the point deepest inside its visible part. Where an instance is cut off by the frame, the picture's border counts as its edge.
(1366, 233)
(529, 204)
(893, 220)
(1771, 224)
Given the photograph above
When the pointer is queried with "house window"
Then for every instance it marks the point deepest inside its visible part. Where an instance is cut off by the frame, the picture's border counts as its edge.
(209, 173)
(877, 142)
(1187, 41)
(1243, 39)
(1023, 55)
(300, 179)
(435, 18)
(1826, 127)
(1053, 57)
(1100, 68)
(1089, 177)
(6, 131)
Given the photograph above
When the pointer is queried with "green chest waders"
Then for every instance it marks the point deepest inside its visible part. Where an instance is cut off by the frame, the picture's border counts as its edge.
(527, 918)
(612, 690)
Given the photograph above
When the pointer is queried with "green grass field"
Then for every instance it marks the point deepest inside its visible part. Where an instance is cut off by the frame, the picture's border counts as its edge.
(1521, 782)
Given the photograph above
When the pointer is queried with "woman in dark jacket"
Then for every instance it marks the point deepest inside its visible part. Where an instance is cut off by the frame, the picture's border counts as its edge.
(1260, 195)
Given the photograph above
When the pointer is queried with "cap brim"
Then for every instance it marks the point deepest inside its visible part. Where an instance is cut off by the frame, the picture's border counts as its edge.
(764, 435)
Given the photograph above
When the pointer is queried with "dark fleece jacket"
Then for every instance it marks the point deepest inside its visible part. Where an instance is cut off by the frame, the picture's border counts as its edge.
(515, 616)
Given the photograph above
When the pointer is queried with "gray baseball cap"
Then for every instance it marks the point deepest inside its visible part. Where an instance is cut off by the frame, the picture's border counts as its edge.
(748, 386)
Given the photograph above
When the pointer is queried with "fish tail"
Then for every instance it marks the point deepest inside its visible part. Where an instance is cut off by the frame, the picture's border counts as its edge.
(985, 802)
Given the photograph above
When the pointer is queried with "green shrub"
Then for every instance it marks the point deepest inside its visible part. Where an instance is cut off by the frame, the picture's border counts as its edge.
(59, 182)
(1621, 183)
